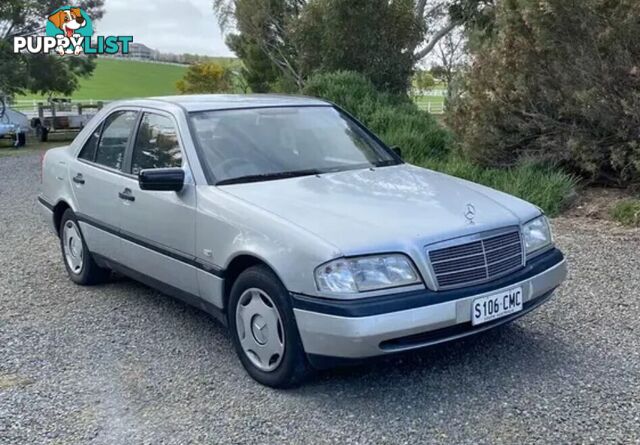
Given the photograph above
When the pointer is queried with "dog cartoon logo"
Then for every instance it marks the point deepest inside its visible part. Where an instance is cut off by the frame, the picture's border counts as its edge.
(69, 30)
(72, 24)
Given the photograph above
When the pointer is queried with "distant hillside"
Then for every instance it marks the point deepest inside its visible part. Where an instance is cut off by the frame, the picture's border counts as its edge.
(120, 79)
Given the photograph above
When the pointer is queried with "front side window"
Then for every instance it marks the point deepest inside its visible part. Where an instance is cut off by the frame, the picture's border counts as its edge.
(271, 143)
(156, 144)
(115, 137)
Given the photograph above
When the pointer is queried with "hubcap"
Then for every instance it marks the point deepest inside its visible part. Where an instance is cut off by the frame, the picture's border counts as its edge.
(72, 245)
(260, 329)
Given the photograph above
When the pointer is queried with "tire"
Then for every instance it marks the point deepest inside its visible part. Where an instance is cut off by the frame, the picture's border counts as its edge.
(44, 134)
(21, 140)
(77, 259)
(254, 291)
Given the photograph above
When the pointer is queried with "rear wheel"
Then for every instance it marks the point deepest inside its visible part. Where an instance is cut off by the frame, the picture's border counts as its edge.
(80, 265)
(264, 331)
(21, 140)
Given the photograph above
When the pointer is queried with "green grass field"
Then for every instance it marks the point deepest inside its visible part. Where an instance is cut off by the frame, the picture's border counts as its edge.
(120, 79)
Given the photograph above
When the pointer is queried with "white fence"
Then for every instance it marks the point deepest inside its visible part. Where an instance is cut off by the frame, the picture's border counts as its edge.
(433, 108)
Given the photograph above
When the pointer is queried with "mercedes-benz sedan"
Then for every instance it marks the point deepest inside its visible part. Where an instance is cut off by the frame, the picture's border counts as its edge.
(295, 226)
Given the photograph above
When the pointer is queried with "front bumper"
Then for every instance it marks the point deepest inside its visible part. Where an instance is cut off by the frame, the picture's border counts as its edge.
(366, 329)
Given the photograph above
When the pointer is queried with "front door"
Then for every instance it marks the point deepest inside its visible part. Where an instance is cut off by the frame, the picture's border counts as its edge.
(158, 236)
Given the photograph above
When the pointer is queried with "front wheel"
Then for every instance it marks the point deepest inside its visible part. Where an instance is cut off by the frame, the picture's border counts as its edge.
(81, 267)
(264, 330)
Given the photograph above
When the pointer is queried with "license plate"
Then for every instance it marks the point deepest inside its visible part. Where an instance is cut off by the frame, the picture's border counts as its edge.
(496, 306)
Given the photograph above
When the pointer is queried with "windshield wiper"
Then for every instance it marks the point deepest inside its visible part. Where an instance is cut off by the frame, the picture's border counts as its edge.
(269, 176)
(386, 163)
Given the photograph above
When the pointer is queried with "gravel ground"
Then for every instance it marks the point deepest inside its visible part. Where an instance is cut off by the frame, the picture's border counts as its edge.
(120, 363)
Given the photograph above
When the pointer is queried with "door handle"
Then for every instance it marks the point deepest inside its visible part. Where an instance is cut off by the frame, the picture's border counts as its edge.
(78, 179)
(126, 195)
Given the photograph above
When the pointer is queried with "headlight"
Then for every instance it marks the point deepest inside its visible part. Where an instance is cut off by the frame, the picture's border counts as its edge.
(537, 234)
(350, 275)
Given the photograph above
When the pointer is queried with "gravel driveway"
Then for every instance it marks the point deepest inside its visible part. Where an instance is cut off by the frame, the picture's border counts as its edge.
(120, 363)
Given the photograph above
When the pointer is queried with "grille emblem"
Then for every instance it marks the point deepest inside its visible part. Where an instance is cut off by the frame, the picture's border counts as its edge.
(470, 213)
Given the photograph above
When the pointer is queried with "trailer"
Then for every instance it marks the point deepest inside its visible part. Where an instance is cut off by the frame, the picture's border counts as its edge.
(62, 115)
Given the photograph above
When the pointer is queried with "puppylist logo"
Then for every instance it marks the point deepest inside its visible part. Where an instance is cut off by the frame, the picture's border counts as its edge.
(69, 31)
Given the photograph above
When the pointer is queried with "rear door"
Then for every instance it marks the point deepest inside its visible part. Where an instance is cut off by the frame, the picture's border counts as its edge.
(97, 178)
(158, 227)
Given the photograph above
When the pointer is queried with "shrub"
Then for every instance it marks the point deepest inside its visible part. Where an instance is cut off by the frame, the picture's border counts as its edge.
(557, 80)
(627, 212)
(394, 118)
(206, 77)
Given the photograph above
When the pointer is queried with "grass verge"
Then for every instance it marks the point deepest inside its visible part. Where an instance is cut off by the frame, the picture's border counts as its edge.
(627, 212)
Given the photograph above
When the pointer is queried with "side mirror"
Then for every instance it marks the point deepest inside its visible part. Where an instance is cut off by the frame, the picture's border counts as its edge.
(397, 150)
(161, 179)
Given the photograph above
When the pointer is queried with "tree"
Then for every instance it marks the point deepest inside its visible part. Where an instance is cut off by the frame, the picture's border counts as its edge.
(21, 72)
(423, 81)
(206, 77)
(49, 75)
(267, 34)
(556, 81)
(334, 35)
(264, 26)
(450, 58)
(441, 17)
(260, 73)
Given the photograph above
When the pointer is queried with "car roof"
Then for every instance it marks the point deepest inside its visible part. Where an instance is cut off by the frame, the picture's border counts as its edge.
(205, 102)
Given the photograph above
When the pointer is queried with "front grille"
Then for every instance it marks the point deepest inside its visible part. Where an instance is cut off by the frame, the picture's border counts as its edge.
(477, 261)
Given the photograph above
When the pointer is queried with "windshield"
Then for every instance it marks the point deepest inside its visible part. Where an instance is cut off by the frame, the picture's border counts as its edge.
(273, 143)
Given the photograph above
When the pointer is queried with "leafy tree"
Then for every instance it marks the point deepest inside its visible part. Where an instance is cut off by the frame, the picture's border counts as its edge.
(334, 35)
(22, 72)
(206, 77)
(263, 38)
(423, 80)
(558, 81)
(12, 70)
(49, 75)
(258, 70)
(441, 17)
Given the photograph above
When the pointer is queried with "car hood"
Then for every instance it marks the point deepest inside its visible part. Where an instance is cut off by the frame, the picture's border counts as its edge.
(385, 209)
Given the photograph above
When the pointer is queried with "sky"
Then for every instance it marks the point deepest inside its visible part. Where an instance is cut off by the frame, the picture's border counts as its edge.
(170, 26)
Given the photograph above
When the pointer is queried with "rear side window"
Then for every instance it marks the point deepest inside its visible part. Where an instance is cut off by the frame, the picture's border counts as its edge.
(156, 144)
(89, 150)
(115, 137)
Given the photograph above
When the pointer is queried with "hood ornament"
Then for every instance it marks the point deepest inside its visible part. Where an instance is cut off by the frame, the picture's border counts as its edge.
(470, 213)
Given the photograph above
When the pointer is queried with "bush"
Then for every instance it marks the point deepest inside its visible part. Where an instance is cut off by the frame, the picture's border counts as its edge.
(394, 118)
(559, 81)
(627, 212)
(398, 121)
(206, 77)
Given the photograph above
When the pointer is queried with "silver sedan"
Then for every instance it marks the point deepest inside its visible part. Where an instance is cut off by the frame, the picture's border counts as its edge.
(295, 226)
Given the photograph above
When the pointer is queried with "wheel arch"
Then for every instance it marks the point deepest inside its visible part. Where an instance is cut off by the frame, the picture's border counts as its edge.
(58, 211)
(239, 264)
